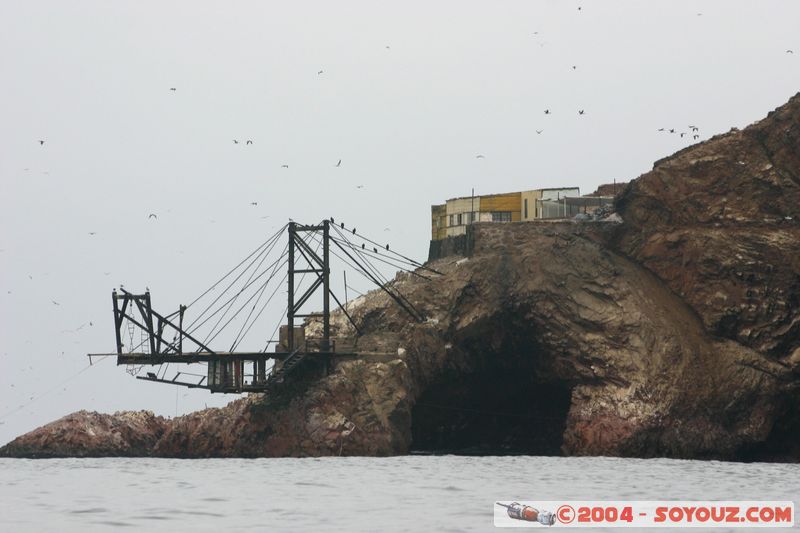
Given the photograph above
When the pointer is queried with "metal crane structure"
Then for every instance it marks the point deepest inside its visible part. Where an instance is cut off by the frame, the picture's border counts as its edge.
(171, 339)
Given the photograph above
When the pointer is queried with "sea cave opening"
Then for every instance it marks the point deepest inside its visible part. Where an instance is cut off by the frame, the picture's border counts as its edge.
(498, 401)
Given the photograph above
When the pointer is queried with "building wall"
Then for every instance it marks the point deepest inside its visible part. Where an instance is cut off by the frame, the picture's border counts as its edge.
(462, 207)
(530, 197)
(509, 203)
(537, 196)
(558, 194)
(438, 221)
(569, 207)
(452, 218)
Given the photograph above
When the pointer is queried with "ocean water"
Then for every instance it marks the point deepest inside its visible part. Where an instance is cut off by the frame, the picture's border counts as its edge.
(413, 493)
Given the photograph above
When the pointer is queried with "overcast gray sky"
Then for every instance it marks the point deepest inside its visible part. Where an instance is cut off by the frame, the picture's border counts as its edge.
(410, 93)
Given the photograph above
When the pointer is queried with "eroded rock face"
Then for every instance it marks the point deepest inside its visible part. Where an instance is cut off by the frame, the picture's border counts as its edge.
(91, 434)
(719, 222)
(674, 333)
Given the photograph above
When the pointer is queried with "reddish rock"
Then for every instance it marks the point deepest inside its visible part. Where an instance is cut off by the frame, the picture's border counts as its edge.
(91, 434)
(674, 333)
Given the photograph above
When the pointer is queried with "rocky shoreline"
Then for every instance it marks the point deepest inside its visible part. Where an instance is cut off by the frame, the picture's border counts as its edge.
(674, 333)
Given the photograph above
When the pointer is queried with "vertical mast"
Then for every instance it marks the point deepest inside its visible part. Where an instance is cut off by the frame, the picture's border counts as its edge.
(290, 309)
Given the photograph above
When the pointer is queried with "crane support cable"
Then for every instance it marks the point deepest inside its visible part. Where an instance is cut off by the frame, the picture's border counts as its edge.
(239, 335)
(266, 250)
(380, 257)
(378, 252)
(273, 239)
(224, 304)
(375, 272)
(231, 271)
(236, 313)
(412, 261)
(401, 301)
(229, 305)
(417, 315)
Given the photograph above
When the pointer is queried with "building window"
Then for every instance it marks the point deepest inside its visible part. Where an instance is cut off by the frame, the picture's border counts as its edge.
(501, 216)
(459, 219)
(526, 208)
(452, 217)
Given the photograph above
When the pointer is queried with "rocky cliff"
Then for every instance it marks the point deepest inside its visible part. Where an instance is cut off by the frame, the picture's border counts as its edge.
(673, 333)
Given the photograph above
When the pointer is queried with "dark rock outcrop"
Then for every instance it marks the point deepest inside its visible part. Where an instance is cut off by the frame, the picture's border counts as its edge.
(674, 333)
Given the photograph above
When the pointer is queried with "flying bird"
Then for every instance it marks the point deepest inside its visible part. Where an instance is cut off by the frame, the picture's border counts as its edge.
(388, 47)
(672, 130)
(319, 72)
(41, 142)
(284, 166)
(55, 302)
(339, 163)
(480, 156)
(581, 112)
(682, 134)
(235, 141)
(695, 136)
(546, 111)
(574, 67)
(249, 141)
(359, 186)
(660, 129)
(253, 203)
(173, 89)
(92, 233)
(789, 51)
(152, 215)
(539, 132)
(694, 128)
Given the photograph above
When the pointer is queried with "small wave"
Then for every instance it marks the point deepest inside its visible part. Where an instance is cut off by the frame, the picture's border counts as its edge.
(307, 484)
(90, 510)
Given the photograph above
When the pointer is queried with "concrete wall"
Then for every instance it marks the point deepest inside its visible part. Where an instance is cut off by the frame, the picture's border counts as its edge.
(530, 198)
(460, 245)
